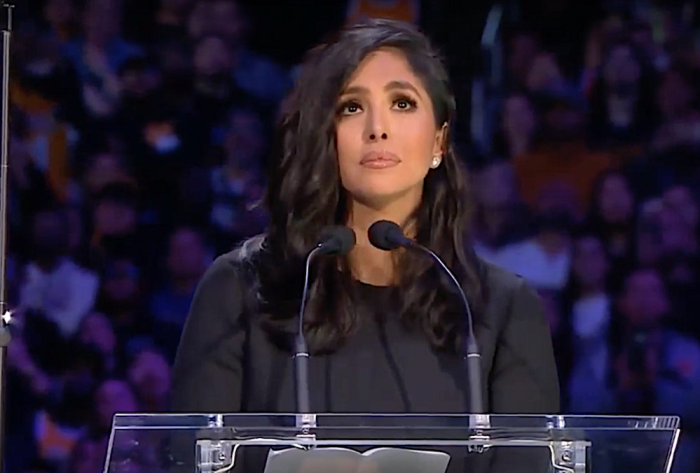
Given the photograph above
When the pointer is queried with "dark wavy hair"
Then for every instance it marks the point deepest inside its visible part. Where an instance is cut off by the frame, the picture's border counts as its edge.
(305, 194)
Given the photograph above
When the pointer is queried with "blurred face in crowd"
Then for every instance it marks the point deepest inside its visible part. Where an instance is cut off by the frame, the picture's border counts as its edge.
(114, 218)
(244, 142)
(113, 397)
(675, 94)
(186, 254)
(60, 12)
(176, 5)
(681, 200)
(519, 116)
(564, 121)
(212, 57)
(50, 236)
(139, 82)
(495, 186)
(217, 17)
(149, 373)
(649, 248)
(96, 330)
(621, 69)
(644, 300)
(615, 199)
(104, 168)
(75, 229)
(386, 135)
(556, 208)
(121, 284)
(87, 457)
(676, 235)
(524, 48)
(228, 20)
(102, 21)
(590, 263)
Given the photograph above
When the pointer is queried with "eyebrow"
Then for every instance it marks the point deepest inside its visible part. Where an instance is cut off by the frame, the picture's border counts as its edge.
(393, 85)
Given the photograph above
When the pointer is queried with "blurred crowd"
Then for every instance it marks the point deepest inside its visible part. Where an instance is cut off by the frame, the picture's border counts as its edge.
(136, 155)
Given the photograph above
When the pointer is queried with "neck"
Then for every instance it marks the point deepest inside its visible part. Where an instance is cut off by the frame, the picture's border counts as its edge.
(369, 264)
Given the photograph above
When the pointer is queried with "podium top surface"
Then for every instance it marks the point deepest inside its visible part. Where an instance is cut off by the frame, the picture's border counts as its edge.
(399, 421)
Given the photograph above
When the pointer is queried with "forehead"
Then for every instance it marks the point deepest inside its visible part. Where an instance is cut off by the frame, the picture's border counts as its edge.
(382, 66)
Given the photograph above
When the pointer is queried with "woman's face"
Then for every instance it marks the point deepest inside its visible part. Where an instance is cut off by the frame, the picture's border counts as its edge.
(615, 200)
(386, 132)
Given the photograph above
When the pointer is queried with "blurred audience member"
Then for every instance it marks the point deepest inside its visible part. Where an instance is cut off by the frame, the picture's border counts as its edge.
(612, 216)
(253, 73)
(680, 127)
(523, 48)
(53, 282)
(97, 332)
(587, 386)
(622, 102)
(149, 375)
(237, 185)
(122, 299)
(561, 154)
(171, 20)
(99, 54)
(104, 167)
(186, 261)
(500, 218)
(402, 10)
(519, 125)
(112, 396)
(545, 259)
(657, 369)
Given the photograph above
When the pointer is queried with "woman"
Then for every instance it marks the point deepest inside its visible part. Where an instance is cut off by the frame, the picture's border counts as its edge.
(364, 136)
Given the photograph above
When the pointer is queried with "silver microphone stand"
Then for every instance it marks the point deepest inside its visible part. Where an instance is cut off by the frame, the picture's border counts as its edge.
(6, 29)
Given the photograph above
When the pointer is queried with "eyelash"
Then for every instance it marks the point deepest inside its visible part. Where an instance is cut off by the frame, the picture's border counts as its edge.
(401, 98)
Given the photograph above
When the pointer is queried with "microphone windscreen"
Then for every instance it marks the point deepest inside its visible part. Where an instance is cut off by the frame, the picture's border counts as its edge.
(386, 235)
(337, 240)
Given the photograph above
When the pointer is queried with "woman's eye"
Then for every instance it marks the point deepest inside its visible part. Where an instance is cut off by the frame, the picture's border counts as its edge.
(405, 104)
(349, 108)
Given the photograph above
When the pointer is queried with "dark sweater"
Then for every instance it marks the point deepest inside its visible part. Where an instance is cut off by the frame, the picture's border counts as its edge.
(226, 363)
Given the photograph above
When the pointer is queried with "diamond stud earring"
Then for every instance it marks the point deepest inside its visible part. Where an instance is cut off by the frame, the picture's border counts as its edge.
(436, 161)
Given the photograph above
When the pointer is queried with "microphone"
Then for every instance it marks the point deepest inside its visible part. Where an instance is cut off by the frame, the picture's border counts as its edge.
(388, 236)
(337, 240)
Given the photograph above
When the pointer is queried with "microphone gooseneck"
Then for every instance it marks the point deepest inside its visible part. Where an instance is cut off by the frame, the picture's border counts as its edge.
(388, 236)
(333, 241)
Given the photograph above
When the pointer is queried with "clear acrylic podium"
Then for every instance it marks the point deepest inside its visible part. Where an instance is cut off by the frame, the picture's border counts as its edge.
(205, 443)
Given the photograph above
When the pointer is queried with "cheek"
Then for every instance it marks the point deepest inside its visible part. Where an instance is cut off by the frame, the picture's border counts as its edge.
(348, 147)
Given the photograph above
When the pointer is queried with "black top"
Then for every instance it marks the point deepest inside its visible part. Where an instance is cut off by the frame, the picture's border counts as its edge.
(225, 362)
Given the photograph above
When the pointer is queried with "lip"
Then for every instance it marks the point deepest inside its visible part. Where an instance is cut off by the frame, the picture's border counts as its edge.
(379, 160)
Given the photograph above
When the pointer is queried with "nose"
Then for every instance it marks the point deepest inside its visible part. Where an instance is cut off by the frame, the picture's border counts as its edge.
(377, 125)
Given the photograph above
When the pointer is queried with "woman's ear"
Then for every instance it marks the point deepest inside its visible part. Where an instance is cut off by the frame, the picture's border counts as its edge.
(440, 145)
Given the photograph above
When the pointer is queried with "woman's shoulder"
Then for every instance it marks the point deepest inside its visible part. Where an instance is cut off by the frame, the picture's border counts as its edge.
(506, 292)
(499, 279)
(238, 264)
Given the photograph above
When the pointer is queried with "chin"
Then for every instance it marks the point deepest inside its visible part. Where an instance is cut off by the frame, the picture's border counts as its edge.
(379, 196)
